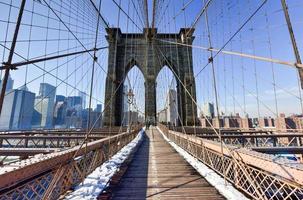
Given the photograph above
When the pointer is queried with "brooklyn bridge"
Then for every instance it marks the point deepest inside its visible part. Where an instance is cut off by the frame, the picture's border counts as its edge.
(151, 99)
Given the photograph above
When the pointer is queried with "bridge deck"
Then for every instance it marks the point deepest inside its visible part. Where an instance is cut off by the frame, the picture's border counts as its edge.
(159, 172)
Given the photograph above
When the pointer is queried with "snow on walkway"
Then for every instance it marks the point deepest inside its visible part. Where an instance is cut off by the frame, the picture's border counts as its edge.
(228, 191)
(95, 182)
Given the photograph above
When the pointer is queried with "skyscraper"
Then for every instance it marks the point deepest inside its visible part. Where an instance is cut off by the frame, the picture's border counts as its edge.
(83, 97)
(125, 110)
(17, 110)
(125, 103)
(172, 113)
(60, 98)
(44, 106)
(73, 101)
(208, 110)
(60, 111)
(47, 90)
(99, 108)
(95, 118)
(9, 85)
(162, 116)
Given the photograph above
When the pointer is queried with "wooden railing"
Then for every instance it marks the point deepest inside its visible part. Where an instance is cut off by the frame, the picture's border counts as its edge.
(51, 175)
(257, 175)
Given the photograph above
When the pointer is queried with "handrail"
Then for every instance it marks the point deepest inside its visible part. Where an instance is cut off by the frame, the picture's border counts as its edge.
(34, 175)
(274, 179)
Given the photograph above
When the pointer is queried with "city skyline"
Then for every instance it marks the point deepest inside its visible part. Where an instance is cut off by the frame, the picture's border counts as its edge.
(24, 109)
(72, 101)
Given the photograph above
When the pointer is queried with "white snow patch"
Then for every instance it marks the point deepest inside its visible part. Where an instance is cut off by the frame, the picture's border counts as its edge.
(95, 182)
(228, 191)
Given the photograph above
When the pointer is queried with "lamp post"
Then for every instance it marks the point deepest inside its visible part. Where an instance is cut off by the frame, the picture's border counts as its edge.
(130, 100)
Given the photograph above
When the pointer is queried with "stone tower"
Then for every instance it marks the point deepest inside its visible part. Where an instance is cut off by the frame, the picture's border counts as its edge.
(150, 51)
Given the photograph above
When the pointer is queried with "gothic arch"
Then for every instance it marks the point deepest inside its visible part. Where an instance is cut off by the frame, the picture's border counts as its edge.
(132, 63)
(149, 56)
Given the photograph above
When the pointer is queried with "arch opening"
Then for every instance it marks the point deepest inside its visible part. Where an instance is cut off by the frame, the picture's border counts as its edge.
(166, 94)
(133, 106)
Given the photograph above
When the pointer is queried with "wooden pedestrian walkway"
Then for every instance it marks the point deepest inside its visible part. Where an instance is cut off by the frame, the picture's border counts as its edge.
(159, 172)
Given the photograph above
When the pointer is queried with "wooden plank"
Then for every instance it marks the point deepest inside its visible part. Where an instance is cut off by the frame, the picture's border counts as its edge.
(159, 172)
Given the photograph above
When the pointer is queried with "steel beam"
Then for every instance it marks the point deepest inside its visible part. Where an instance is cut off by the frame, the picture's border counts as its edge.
(25, 152)
(101, 132)
(279, 150)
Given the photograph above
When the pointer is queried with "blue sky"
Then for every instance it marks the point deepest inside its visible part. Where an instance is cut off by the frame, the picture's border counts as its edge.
(266, 30)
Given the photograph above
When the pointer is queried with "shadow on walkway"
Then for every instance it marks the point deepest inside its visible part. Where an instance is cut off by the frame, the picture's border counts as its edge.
(134, 182)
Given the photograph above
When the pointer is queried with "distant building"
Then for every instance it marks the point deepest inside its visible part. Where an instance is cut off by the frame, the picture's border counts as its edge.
(125, 100)
(68, 111)
(44, 106)
(298, 120)
(282, 123)
(43, 112)
(205, 122)
(162, 116)
(9, 84)
(73, 121)
(172, 113)
(134, 118)
(99, 108)
(17, 110)
(217, 123)
(83, 97)
(95, 119)
(125, 106)
(73, 101)
(266, 122)
(208, 110)
(228, 122)
(47, 90)
(60, 111)
(247, 123)
(60, 98)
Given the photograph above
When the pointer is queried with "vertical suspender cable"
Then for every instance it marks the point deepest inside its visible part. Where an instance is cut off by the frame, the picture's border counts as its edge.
(92, 82)
(255, 70)
(215, 90)
(242, 62)
(272, 65)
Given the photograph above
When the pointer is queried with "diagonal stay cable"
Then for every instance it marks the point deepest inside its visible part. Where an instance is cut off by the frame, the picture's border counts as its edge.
(240, 54)
(41, 68)
(18, 64)
(237, 31)
(120, 8)
(204, 8)
(72, 33)
(136, 9)
(99, 14)
(51, 70)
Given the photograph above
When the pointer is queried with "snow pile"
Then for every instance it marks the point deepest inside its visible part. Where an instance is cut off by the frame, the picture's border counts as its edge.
(228, 191)
(95, 182)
